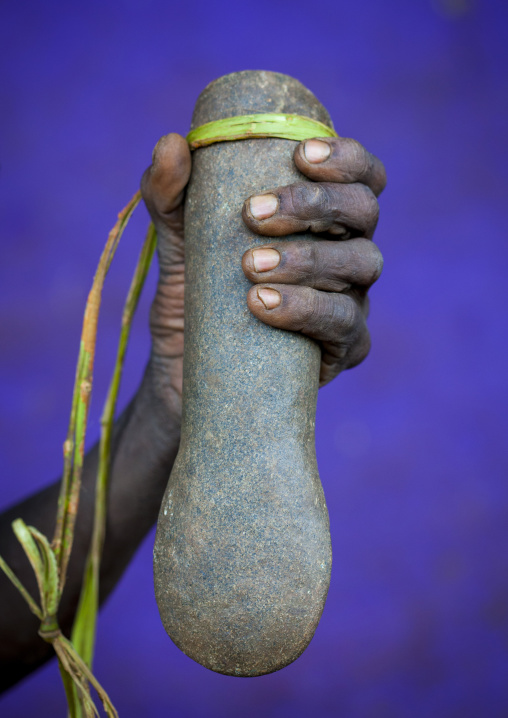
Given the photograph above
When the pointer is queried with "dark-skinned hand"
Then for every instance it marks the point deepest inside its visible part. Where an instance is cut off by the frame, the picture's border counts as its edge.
(316, 287)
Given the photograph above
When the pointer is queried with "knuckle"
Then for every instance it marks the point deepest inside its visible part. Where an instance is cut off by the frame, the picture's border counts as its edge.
(355, 161)
(300, 259)
(326, 198)
(309, 199)
(361, 158)
(345, 314)
(374, 263)
(323, 311)
(290, 199)
(324, 318)
(309, 306)
(368, 204)
(302, 307)
(314, 262)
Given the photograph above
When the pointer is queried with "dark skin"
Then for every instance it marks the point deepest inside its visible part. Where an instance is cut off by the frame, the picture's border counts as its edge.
(318, 288)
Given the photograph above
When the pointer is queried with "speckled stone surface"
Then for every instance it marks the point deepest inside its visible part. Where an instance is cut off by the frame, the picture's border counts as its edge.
(242, 556)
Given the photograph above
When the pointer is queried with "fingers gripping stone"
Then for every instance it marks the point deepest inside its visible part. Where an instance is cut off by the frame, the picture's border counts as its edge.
(325, 207)
(320, 264)
(342, 160)
(323, 316)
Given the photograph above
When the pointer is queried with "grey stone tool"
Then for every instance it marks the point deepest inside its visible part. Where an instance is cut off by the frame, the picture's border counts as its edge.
(242, 555)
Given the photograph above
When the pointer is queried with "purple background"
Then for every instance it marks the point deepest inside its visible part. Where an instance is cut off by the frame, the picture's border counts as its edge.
(411, 445)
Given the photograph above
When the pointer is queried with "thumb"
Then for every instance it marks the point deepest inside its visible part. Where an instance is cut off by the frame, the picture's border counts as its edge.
(163, 190)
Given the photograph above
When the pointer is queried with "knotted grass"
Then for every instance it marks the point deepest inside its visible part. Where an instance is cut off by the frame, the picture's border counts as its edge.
(50, 560)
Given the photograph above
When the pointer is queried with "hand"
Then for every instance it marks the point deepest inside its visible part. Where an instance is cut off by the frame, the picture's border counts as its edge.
(319, 287)
(316, 287)
(163, 189)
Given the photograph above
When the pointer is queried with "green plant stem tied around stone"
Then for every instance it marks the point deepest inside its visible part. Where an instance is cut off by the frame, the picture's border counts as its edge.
(247, 127)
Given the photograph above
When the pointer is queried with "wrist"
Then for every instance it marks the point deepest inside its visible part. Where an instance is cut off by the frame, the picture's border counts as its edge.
(159, 398)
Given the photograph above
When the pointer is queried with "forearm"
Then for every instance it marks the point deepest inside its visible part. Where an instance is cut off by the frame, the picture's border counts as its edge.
(145, 443)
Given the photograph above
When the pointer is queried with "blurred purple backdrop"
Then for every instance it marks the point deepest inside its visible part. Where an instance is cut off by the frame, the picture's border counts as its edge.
(411, 445)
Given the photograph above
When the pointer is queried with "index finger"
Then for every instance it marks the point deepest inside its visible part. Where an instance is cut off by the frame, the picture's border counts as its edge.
(340, 159)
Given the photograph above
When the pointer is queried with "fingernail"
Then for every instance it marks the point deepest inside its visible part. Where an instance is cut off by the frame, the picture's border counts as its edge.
(263, 205)
(316, 151)
(270, 297)
(265, 259)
